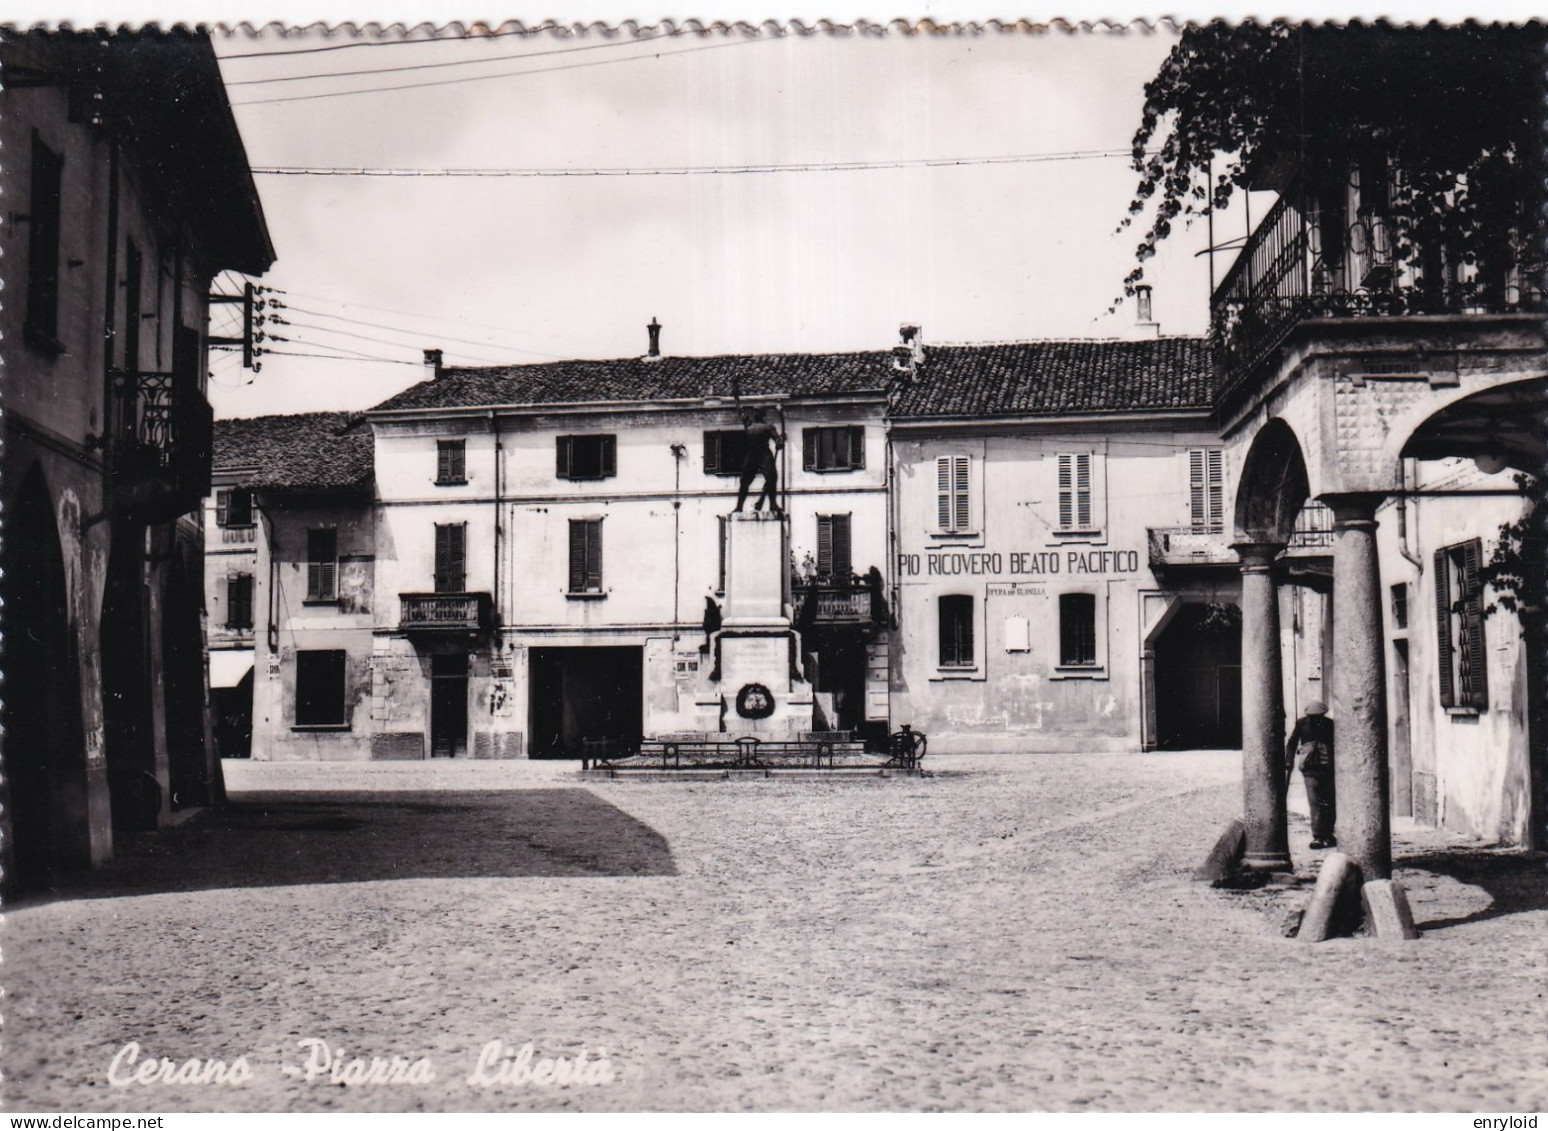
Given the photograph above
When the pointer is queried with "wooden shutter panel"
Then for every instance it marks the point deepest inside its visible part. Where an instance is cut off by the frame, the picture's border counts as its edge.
(451, 557)
(960, 488)
(609, 456)
(562, 457)
(1066, 492)
(825, 545)
(839, 528)
(720, 522)
(1443, 656)
(577, 555)
(712, 464)
(943, 493)
(1083, 490)
(857, 446)
(594, 554)
(809, 449)
(1476, 692)
(222, 506)
(1198, 505)
(1215, 489)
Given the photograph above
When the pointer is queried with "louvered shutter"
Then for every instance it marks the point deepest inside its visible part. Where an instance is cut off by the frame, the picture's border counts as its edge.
(960, 513)
(809, 449)
(1444, 661)
(825, 545)
(594, 555)
(322, 565)
(451, 558)
(1198, 503)
(562, 457)
(1215, 489)
(577, 556)
(1066, 492)
(1475, 691)
(712, 459)
(857, 447)
(222, 506)
(443, 472)
(839, 527)
(609, 456)
(1083, 490)
(720, 522)
(585, 555)
(943, 493)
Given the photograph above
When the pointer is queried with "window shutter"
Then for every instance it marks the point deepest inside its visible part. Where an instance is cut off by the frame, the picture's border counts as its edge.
(451, 557)
(943, 493)
(577, 556)
(825, 545)
(1476, 690)
(1198, 506)
(322, 564)
(1215, 470)
(1083, 490)
(222, 506)
(585, 555)
(594, 555)
(960, 492)
(1444, 662)
(443, 462)
(609, 456)
(1066, 492)
(857, 446)
(562, 450)
(720, 522)
(809, 449)
(956, 630)
(839, 527)
(712, 455)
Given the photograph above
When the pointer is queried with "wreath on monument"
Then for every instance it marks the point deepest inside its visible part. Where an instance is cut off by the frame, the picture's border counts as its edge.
(755, 701)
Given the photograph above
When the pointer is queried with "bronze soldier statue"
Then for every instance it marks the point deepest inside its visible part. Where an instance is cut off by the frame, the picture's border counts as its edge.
(763, 440)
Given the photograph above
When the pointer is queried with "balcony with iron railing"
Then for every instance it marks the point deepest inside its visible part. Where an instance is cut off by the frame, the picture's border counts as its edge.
(835, 601)
(467, 613)
(1305, 262)
(162, 446)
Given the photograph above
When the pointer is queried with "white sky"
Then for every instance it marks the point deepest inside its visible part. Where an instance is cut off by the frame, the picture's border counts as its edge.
(536, 268)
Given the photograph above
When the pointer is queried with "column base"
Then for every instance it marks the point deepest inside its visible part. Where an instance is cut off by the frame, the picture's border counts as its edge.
(1268, 862)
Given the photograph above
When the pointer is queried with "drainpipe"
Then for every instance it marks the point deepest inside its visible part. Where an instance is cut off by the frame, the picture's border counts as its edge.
(678, 451)
(499, 529)
(1402, 516)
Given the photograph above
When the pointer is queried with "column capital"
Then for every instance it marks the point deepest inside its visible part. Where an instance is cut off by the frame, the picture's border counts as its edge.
(1257, 557)
(1353, 509)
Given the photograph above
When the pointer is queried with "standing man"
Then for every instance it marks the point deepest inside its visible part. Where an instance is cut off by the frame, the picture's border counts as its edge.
(1310, 750)
(763, 440)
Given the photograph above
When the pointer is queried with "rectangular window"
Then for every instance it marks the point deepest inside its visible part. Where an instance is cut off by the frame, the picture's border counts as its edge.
(1075, 510)
(1077, 630)
(451, 557)
(722, 522)
(1400, 606)
(586, 457)
(952, 512)
(833, 449)
(833, 559)
(724, 452)
(956, 611)
(42, 325)
(239, 601)
(1459, 614)
(233, 507)
(451, 462)
(322, 564)
(319, 689)
(585, 555)
(1206, 490)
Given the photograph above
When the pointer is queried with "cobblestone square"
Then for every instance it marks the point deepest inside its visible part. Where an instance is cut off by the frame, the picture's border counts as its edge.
(1011, 932)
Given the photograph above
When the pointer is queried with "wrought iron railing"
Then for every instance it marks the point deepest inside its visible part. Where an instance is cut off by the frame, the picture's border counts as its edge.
(1302, 263)
(834, 601)
(1172, 546)
(445, 612)
(163, 447)
(1313, 528)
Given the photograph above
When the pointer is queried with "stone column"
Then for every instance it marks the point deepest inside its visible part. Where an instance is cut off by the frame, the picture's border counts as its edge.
(1359, 703)
(1263, 713)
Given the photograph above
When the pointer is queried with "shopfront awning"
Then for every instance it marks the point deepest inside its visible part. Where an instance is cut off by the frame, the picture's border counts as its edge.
(228, 668)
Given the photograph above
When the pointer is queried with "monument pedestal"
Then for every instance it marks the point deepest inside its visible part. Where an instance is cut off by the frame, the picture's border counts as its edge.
(756, 654)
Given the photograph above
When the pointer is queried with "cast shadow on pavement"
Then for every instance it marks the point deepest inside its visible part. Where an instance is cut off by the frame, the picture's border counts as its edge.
(1514, 882)
(352, 838)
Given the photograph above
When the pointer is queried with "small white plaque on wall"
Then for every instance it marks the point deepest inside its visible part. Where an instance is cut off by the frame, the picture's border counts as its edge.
(1018, 636)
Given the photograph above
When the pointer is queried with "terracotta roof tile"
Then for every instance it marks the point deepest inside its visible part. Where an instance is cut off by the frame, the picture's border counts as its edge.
(314, 451)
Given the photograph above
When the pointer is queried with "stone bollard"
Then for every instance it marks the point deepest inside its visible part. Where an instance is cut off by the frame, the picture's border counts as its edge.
(1225, 859)
(1387, 915)
(1330, 910)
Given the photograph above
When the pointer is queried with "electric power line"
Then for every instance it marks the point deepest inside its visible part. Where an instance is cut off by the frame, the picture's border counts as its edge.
(493, 346)
(387, 43)
(333, 357)
(348, 305)
(701, 170)
(441, 65)
(501, 75)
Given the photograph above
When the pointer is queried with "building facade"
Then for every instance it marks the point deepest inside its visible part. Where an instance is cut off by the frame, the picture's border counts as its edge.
(127, 190)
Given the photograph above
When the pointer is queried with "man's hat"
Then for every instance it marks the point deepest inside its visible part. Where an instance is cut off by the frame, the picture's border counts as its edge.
(1316, 707)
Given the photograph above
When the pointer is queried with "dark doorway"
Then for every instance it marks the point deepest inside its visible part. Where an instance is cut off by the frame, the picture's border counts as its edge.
(1199, 679)
(43, 745)
(840, 670)
(182, 652)
(586, 701)
(233, 710)
(449, 706)
(126, 688)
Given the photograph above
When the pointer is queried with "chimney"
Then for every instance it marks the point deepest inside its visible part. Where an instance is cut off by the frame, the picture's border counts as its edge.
(1143, 311)
(433, 364)
(654, 330)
